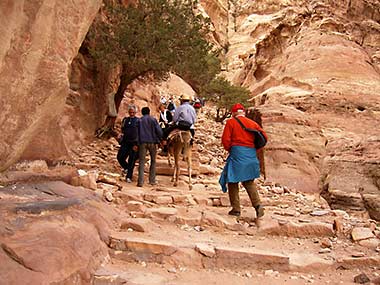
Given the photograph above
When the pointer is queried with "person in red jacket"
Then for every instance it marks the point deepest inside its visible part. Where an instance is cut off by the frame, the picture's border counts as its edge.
(242, 164)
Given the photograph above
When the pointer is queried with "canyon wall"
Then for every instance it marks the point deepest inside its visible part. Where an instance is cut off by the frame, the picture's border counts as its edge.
(313, 71)
(38, 41)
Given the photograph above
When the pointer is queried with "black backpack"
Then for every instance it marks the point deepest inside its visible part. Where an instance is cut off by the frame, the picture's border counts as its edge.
(259, 139)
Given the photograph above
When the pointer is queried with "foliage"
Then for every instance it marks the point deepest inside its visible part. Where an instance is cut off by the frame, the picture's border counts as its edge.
(155, 37)
(224, 95)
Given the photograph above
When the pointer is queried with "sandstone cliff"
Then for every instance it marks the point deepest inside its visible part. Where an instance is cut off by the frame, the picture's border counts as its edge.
(38, 41)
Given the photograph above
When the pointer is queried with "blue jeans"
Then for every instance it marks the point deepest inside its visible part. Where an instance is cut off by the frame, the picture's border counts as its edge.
(143, 148)
(126, 151)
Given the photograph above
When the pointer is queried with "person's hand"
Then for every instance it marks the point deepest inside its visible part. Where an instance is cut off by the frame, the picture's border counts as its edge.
(135, 148)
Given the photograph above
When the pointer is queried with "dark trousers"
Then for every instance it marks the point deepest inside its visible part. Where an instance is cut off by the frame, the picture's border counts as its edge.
(143, 149)
(126, 151)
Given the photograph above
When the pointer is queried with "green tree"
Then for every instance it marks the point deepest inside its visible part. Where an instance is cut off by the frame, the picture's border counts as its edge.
(153, 38)
(224, 95)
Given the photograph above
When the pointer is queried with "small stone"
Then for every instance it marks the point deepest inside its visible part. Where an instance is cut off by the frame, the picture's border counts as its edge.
(319, 213)
(326, 243)
(108, 196)
(199, 229)
(268, 272)
(361, 278)
(358, 254)
(338, 225)
(361, 233)
(172, 270)
(324, 250)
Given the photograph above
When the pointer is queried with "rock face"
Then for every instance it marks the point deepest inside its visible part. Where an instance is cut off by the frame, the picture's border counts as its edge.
(38, 41)
(52, 233)
(313, 70)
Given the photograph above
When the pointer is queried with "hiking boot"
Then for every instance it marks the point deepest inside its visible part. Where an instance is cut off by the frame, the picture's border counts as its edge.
(129, 180)
(234, 213)
(259, 211)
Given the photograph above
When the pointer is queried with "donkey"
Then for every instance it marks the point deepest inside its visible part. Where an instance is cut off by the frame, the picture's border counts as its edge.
(179, 142)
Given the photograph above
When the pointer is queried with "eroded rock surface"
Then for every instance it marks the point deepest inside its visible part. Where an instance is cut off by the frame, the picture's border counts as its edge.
(38, 41)
(52, 232)
(313, 69)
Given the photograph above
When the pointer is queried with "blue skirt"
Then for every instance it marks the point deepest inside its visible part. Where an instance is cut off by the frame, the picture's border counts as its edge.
(241, 165)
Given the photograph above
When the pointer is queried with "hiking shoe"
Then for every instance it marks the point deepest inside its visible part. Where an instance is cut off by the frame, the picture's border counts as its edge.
(139, 185)
(234, 213)
(129, 180)
(259, 211)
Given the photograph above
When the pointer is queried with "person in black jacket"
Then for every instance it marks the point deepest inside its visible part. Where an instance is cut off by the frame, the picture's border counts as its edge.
(129, 143)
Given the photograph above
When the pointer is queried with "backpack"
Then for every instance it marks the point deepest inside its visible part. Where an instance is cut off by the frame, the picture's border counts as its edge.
(258, 138)
(197, 105)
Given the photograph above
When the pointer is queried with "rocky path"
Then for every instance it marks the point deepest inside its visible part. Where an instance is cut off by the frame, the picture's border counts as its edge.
(169, 235)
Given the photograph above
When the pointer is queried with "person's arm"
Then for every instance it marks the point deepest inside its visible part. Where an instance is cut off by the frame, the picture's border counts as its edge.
(227, 136)
(139, 131)
(176, 114)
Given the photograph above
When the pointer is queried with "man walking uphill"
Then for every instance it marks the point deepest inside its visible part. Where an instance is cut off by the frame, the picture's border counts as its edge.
(128, 145)
(242, 164)
(150, 134)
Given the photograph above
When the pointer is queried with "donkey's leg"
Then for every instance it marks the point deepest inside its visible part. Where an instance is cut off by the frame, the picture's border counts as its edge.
(176, 166)
(169, 161)
(189, 169)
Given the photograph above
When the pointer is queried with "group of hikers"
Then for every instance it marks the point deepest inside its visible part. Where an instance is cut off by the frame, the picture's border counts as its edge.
(142, 135)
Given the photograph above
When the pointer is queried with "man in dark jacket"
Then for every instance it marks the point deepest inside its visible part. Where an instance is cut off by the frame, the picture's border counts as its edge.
(128, 145)
(150, 134)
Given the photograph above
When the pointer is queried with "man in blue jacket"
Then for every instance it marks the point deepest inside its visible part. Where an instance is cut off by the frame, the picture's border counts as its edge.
(128, 144)
(150, 134)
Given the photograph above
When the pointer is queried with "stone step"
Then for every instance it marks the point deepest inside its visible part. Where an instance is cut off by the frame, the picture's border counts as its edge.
(206, 256)
(114, 275)
(192, 217)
